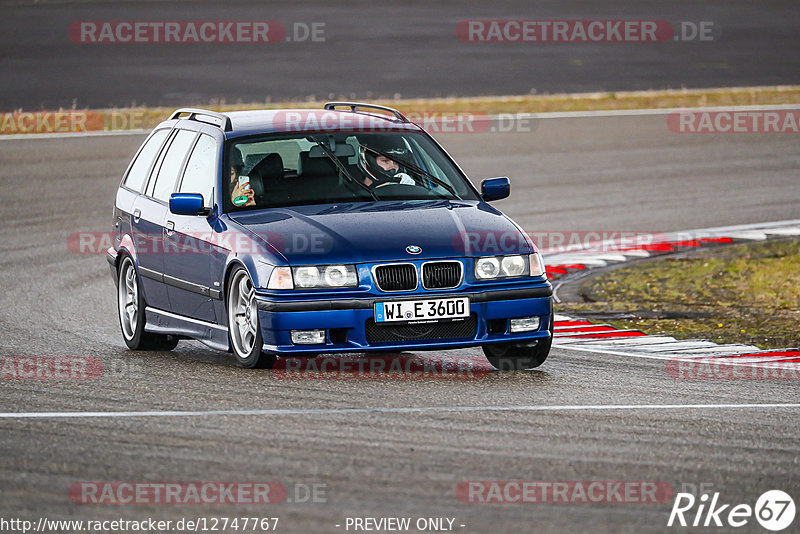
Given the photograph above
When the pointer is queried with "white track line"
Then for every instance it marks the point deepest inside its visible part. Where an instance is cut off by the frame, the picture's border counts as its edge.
(727, 349)
(678, 346)
(584, 254)
(663, 356)
(549, 115)
(751, 235)
(582, 327)
(751, 232)
(580, 338)
(656, 111)
(784, 231)
(430, 409)
(622, 342)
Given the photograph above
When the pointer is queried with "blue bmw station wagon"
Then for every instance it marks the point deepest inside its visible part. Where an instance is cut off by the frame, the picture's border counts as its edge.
(337, 230)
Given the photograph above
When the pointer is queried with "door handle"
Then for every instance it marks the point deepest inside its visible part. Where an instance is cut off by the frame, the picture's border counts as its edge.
(137, 214)
(170, 227)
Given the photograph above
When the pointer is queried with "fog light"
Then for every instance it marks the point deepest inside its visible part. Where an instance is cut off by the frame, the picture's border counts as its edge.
(308, 337)
(524, 324)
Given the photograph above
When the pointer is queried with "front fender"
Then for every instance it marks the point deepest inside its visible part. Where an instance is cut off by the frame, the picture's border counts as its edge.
(252, 252)
(256, 266)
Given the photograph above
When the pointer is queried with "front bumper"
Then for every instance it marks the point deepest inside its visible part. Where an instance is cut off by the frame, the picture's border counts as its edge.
(349, 326)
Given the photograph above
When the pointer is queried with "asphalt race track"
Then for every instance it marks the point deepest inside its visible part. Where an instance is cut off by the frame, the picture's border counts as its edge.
(385, 458)
(377, 48)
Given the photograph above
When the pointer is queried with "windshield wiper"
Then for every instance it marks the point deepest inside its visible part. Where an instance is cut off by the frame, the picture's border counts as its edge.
(414, 168)
(343, 169)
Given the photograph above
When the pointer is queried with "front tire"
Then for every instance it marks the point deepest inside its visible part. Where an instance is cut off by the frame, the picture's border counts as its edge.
(244, 331)
(131, 305)
(511, 357)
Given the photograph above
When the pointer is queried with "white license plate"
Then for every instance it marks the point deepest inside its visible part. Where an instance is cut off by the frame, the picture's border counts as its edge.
(421, 310)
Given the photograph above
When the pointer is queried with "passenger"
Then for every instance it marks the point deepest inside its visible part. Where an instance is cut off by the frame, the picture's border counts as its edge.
(241, 192)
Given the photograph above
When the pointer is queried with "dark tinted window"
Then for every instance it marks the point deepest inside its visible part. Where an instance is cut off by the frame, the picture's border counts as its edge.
(137, 176)
(171, 166)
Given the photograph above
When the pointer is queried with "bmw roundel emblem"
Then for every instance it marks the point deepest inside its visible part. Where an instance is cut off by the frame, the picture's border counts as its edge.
(413, 249)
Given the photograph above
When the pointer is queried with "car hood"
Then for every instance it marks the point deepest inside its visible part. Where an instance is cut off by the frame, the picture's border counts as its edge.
(374, 232)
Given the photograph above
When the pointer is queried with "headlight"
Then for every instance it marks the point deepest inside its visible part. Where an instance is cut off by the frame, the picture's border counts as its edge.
(503, 267)
(325, 276)
(337, 276)
(486, 268)
(513, 265)
(306, 276)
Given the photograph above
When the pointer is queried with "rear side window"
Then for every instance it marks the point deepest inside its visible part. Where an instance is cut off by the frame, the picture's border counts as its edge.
(201, 169)
(171, 166)
(137, 176)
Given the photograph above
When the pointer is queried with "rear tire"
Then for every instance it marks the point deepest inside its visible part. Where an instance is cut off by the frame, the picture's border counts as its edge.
(130, 307)
(244, 330)
(511, 357)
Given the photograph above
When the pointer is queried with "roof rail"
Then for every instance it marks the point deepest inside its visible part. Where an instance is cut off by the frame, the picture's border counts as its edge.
(203, 115)
(354, 107)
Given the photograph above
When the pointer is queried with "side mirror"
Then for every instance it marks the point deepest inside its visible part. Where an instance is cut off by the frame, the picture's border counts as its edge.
(495, 188)
(187, 204)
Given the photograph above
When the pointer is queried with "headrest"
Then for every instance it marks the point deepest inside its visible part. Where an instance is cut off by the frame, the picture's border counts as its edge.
(309, 166)
(269, 168)
(251, 160)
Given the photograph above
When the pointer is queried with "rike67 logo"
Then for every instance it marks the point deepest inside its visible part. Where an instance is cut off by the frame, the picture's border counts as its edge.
(774, 510)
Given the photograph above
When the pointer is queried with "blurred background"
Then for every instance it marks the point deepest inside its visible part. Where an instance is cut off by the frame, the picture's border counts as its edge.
(379, 49)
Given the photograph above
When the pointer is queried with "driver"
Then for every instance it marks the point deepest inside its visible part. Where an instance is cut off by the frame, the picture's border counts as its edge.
(380, 170)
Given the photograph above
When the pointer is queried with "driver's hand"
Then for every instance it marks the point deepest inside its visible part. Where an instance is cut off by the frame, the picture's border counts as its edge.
(405, 179)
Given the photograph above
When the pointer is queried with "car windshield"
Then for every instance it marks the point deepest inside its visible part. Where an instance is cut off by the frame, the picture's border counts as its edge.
(300, 169)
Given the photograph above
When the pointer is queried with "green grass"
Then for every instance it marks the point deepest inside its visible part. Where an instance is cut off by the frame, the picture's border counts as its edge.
(738, 294)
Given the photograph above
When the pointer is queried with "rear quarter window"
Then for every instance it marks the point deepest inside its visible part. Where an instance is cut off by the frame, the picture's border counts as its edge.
(171, 165)
(137, 175)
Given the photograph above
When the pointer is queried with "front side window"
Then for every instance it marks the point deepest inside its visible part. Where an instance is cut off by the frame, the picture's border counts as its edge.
(201, 169)
(299, 169)
(137, 176)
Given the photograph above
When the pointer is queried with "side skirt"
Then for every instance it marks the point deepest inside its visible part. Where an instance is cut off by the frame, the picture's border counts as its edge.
(164, 322)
